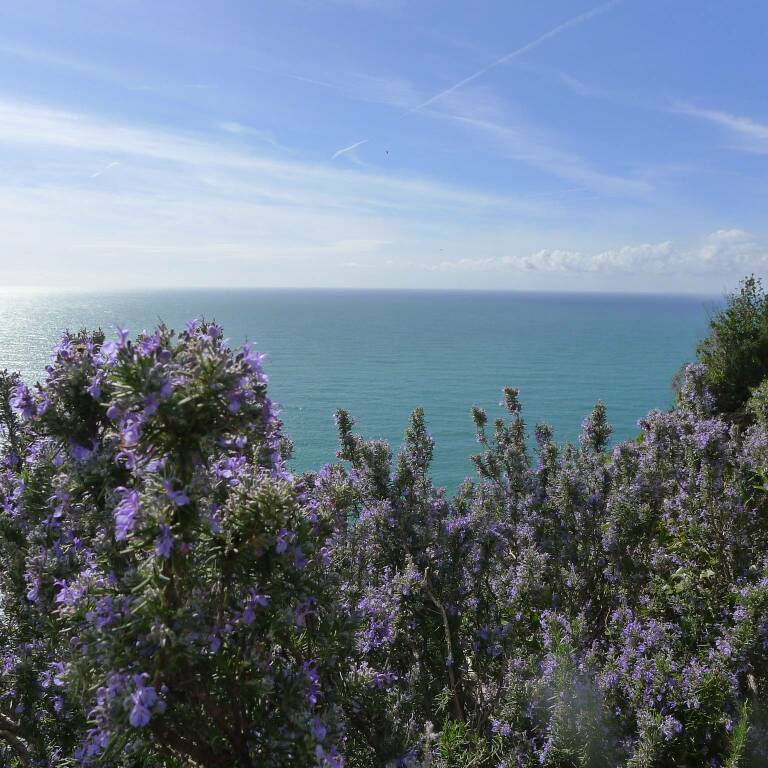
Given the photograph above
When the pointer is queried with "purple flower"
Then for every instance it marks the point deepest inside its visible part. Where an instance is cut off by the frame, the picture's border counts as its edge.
(313, 678)
(254, 600)
(104, 614)
(53, 675)
(724, 647)
(33, 587)
(164, 542)
(143, 699)
(79, 452)
(114, 413)
(252, 358)
(670, 727)
(179, 498)
(234, 400)
(319, 731)
(68, 595)
(281, 540)
(130, 432)
(383, 680)
(151, 404)
(149, 343)
(109, 351)
(23, 402)
(125, 512)
(299, 558)
(94, 387)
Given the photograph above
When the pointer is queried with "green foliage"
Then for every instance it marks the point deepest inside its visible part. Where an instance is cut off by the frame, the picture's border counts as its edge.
(459, 747)
(738, 746)
(736, 350)
(757, 405)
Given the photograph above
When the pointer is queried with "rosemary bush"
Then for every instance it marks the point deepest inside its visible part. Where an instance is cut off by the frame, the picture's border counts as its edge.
(172, 595)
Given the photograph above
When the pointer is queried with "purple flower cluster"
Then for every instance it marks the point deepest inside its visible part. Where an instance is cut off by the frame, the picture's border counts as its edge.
(165, 558)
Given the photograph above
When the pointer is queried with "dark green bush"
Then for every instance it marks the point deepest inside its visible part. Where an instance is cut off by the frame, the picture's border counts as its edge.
(736, 349)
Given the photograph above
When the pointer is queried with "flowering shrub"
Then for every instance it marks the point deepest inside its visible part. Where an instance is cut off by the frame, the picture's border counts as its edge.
(171, 595)
(161, 589)
(586, 608)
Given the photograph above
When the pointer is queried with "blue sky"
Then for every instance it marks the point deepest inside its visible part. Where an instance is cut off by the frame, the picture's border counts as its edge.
(549, 145)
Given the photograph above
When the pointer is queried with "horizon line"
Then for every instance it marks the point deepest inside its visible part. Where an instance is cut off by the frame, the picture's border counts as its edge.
(31, 289)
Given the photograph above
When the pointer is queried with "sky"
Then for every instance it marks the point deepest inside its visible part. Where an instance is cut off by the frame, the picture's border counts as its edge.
(491, 144)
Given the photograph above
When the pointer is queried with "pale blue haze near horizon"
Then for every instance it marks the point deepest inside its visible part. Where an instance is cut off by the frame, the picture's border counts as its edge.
(557, 145)
(380, 354)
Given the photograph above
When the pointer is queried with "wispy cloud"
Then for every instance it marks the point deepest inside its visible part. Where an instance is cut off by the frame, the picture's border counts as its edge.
(754, 135)
(46, 57)
(275, 71)
(522, 145)
(246, 131)
(237, 128)
(91, 70)
(481, 112)
(182, 198)
(726, 251)
(192, 158)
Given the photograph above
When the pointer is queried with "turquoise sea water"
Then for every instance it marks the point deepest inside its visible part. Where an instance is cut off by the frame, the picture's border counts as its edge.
(379, 354)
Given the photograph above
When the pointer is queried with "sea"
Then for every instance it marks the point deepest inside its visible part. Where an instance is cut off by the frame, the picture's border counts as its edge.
(380, 354)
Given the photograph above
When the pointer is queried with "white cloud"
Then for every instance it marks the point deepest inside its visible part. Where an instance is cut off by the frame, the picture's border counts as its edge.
(726, 252)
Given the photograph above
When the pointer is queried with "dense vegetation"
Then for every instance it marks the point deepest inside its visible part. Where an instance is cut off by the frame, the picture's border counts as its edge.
(171, 595)
(736, 351)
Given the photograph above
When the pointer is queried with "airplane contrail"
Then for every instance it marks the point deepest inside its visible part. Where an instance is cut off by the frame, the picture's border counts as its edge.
(104, 170)
(343, 151)
(568, 24)
(574, 22)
